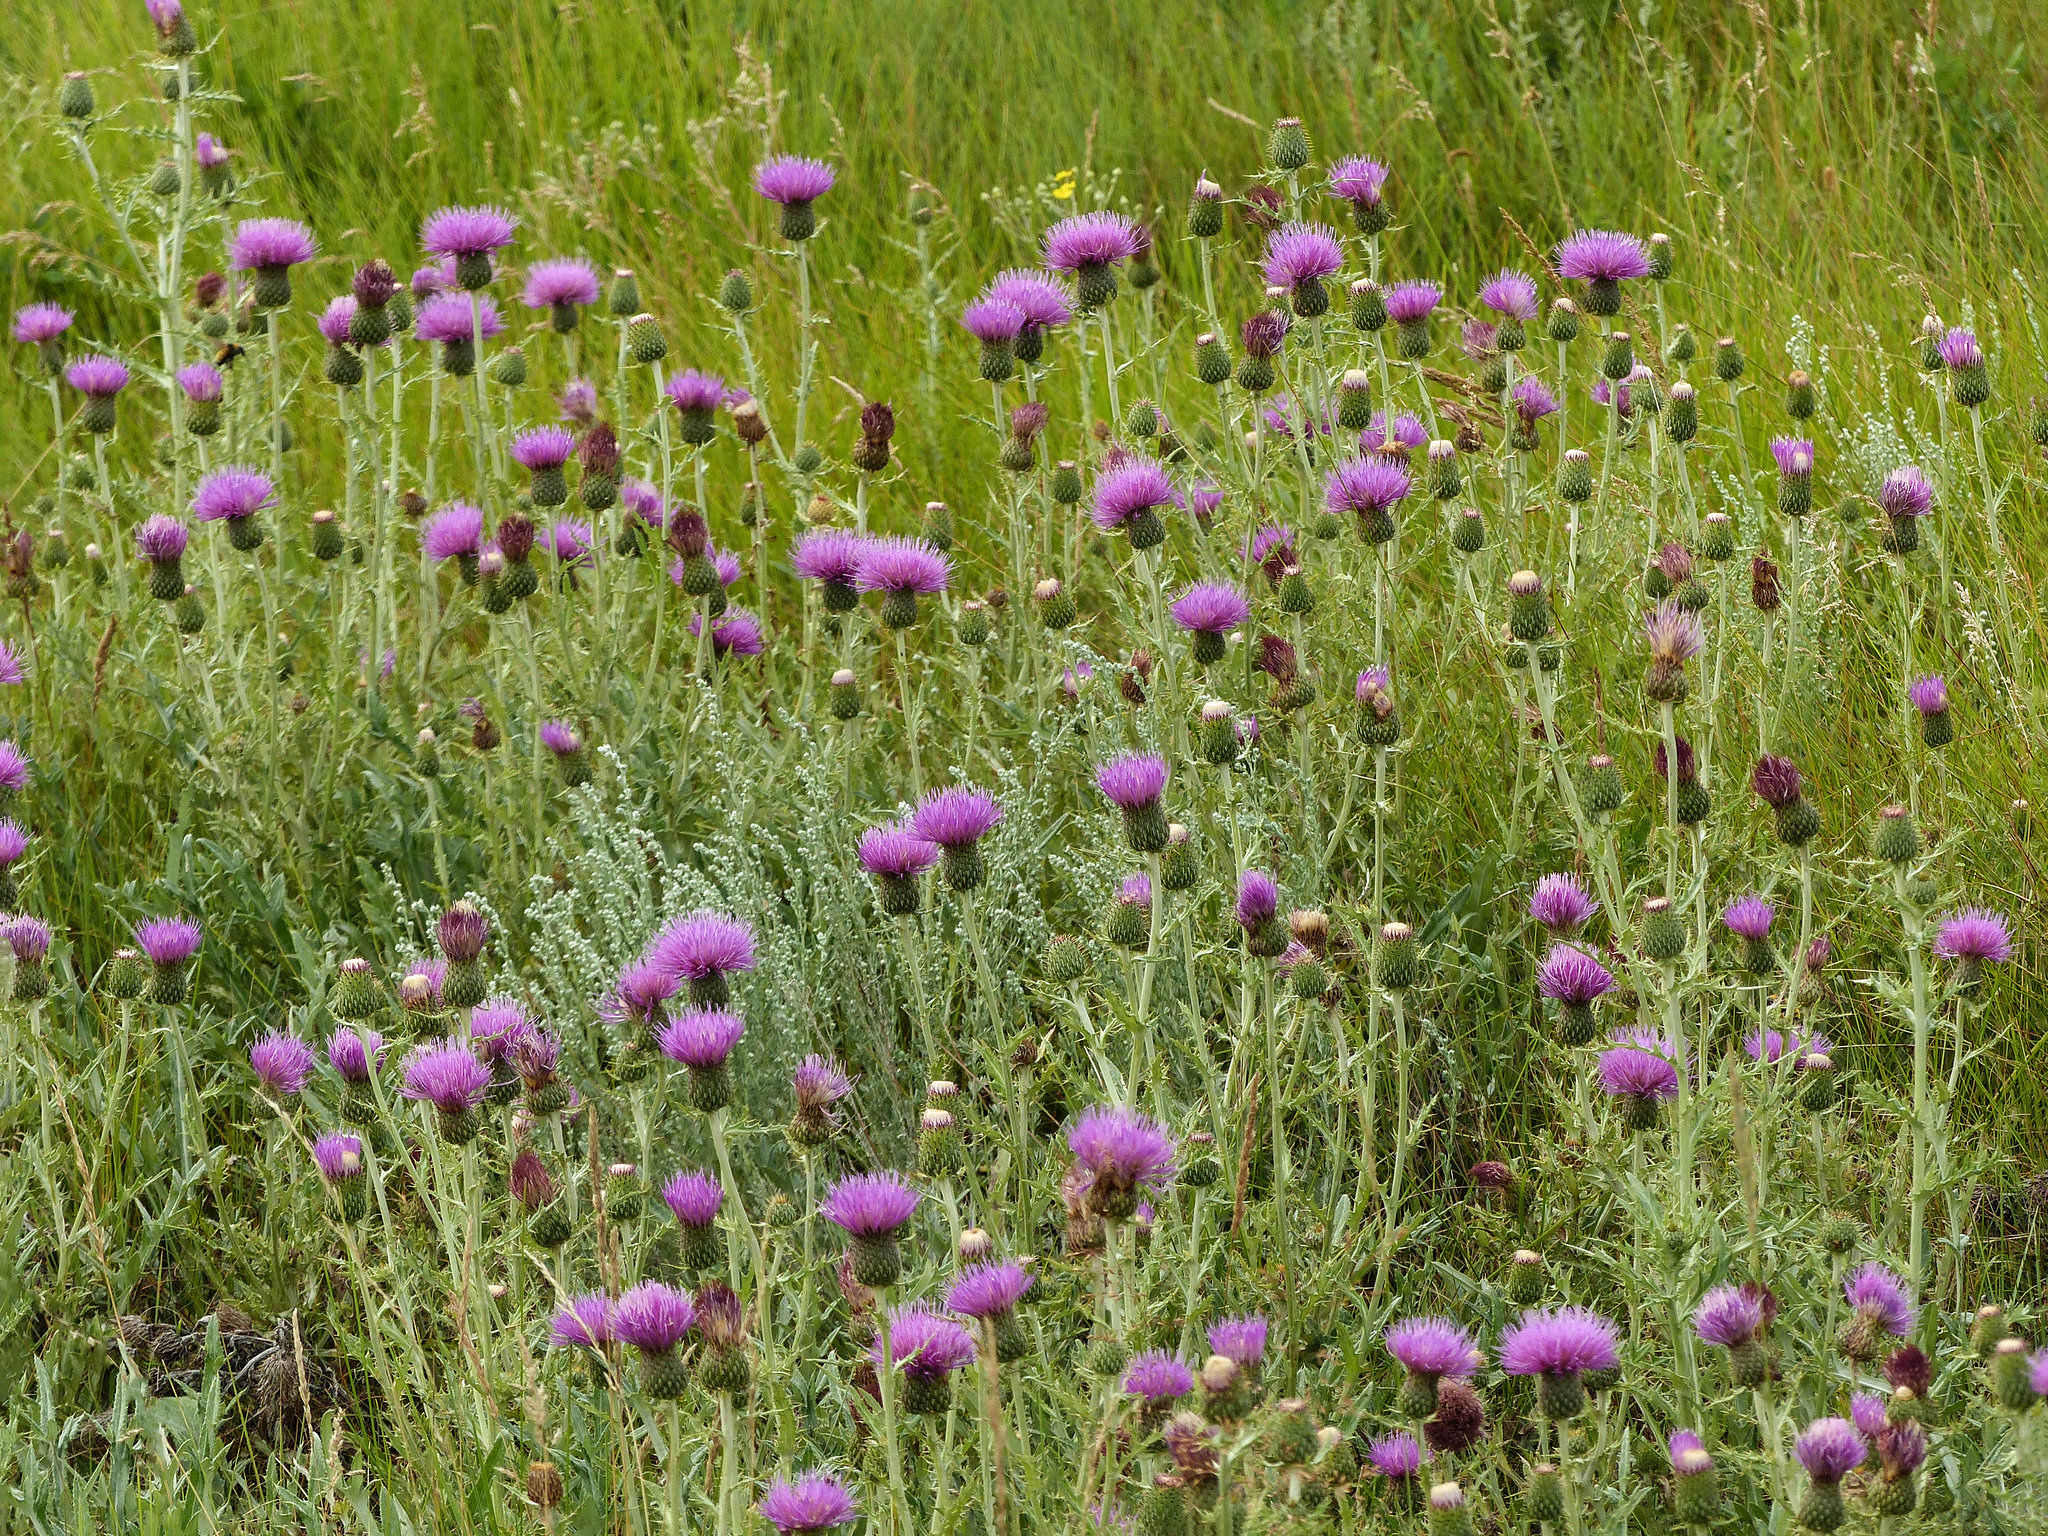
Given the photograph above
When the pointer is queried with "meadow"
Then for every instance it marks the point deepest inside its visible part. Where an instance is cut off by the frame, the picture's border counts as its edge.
(932, 768)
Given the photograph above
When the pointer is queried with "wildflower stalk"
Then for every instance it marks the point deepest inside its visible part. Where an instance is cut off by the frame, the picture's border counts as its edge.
(1922, 1020)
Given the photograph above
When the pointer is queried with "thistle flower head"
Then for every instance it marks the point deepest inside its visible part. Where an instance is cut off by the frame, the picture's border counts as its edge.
(334, 319)
(702, 944)
(653, 1317)
(1830, 1450)
(578, 402)
(1976, 934)
(446, 1075)
(456, 530)
(693, 1198)
(1559, 1341)
(428, 281)
(1929, 694)
(560, 738)
(1121, 1150)
(1210, 607)
(957, 816)
(1272, 541)
(201, 382)
(1794, 455)
(870, 1204)
(787, 179)
(232, 494)
(261, 245)
(461, 232)
(993, 321)
(564, 280)
(1876, 1292)
(338, 1156)
(1042, 300)
(1258, 898)
(97, 377)
(1433, 1346)
(1906, 492)
(1767, 1047)
(1533, 399)
(701, 1038)
(1728, 1315)
(1135, 890)
(1674, 633)
(448, 317)
(1366, 485)
(545, 447)
(1132, 782)
(1571, 975)
(695, 391)
(1098, 239)
(13, 768)
(1601, 256)
(161, 539)
(496, 1027)
(924, 1344)
(585, 1323)
(1412, 302)
(989, 1290)
(1265, 333)
(1300, 253)
(818, 1083)
(897, 564)
(1479, 339)
(1776, 780)
(829, 555)
(1395, 1456)
(1959, 349)
(167, 941)
(1638, 1066)
(282, 1064)
(1157, 1378)
(1901, 1448)
(1509, 292)
(1242, 1339)
(1561, 904)
(40, 324)
(814, 1502)
(1127, 489)
(896, 852)
(1359, 180)
(1192, 1443)
(568, 539)
(354, 1050)
(13, 842)
(1867, 1413)
(1749, 917)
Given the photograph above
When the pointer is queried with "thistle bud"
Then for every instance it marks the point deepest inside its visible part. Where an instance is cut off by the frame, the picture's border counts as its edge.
(1682, 418)
(2010, 1382)
(1526, 1280)
(1448, 1514)
(1695, 1487)
(1575, 476)
(1066, 483)
(1287, 147)
(1658, 248)
(1056, 609)
(645, 342)
(973, 625)
(736, 293)
(624, 299)
(1619, 360)
(1663, 930)
(1396, 961)
(1684, 346)
(75, 98)
(1896, 841)
(1563, 325)
(1354, 400)
(1212, 359)
(1368, 305)
(1763, 584)
(1988, 1330)
(1601, 791)
(1444, 482)
(1220, 743)
(1468, 533)
(846, 703)
(1528, 607)
(1727, 360)
(1545, 1499)
(1064, 960)
(1799, 395)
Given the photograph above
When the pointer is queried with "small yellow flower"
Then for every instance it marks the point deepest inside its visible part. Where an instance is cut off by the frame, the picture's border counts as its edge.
(1063, 185)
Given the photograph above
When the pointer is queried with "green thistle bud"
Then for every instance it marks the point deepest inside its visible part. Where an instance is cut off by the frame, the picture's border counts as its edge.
(1526, 1280)
(645, 342)
(1563, 325)
(1684, 345)
(509, 367)
(1619, 360)
(1727, 360)
(1663, 930)
(1255, 375)
(1056, 609)
(1575, 476)
(1840, 1234)
(1205, 209)
(1179, 870)
(1545, 1499)
(1287, 147)
(1295, 596)
(1658, 247)
(2009, 1375)
(1212, 359)
(1468, 533)
(187, 613)
(1354, 400)
(1141, 420)
(973, 624)
(1368, 305)
(1695, 1488)
(1717, 537)
(1896, 841)
(75, 98)
(1528, 607)
(1220, 744)
(1066, 483)
(624, 299)
(1064, 960)
(1396, 962)
(1799, 395)
(1444, 480)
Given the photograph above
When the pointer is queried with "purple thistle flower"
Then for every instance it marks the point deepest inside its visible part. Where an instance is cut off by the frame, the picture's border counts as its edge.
(448, 1076)
(896, 852)
(569, 540)
(1974, 935)
(1560, 1341)
(2037, 1373)
(167, 941)
(653, 1318)
(334, 319)
(1638, 1068)
(585, 1323)
(1729, 1315)
(1396, 1456)
(1830, 1450)
(693, 1198)
(1210, 608)
(956, 817)
(29, 938)
(1685, 1447)
(1533, 399)
(428, 281)
(1882, 1297)
(638, 994)
(1270, 538)
(814, 1502)
(201, 382)
(830, 555)
(578, 401)
(1366, 486)
(1412, 302)
(560, 738)
(1601, 256)
(993, 321)
(1136, 891)
(446, 317)
(40, 324)
(1749, 917)
(1769, 1046)
(733, 633)
(1264, 333)
(897, 564)
(1867, 1413)
(924, 1344)
(1776, 780)
(545, 447)
(563, 281)
(266, 245)
(989, 1290)
(870, 1204)
(1258, 899)
(97, 377)
(1126, 490)
(496, 1026)
(1477, 339)
(1959, 349)
(1358, 180)
(1122, 1152)
(338, 1156)
(13, 843)
(282, 1064)
(1674, 633)
(790, 179)
(353, 1051)
(1433, 1346)
(456, 530)
(13, 768)
(702, 944)
(701, 1038)
(209, 152)
(1561, 904)
(1157, 1378)
(471, 232)
(1794, 456)
(1906, 492)
(1043, 301)
(1133, 782)
(1301, 253)
(10, 665)
(232, 494)
(1929, 694)
(1509, 292)
(1242, 1339)
(1097, 239)
(694, 391)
